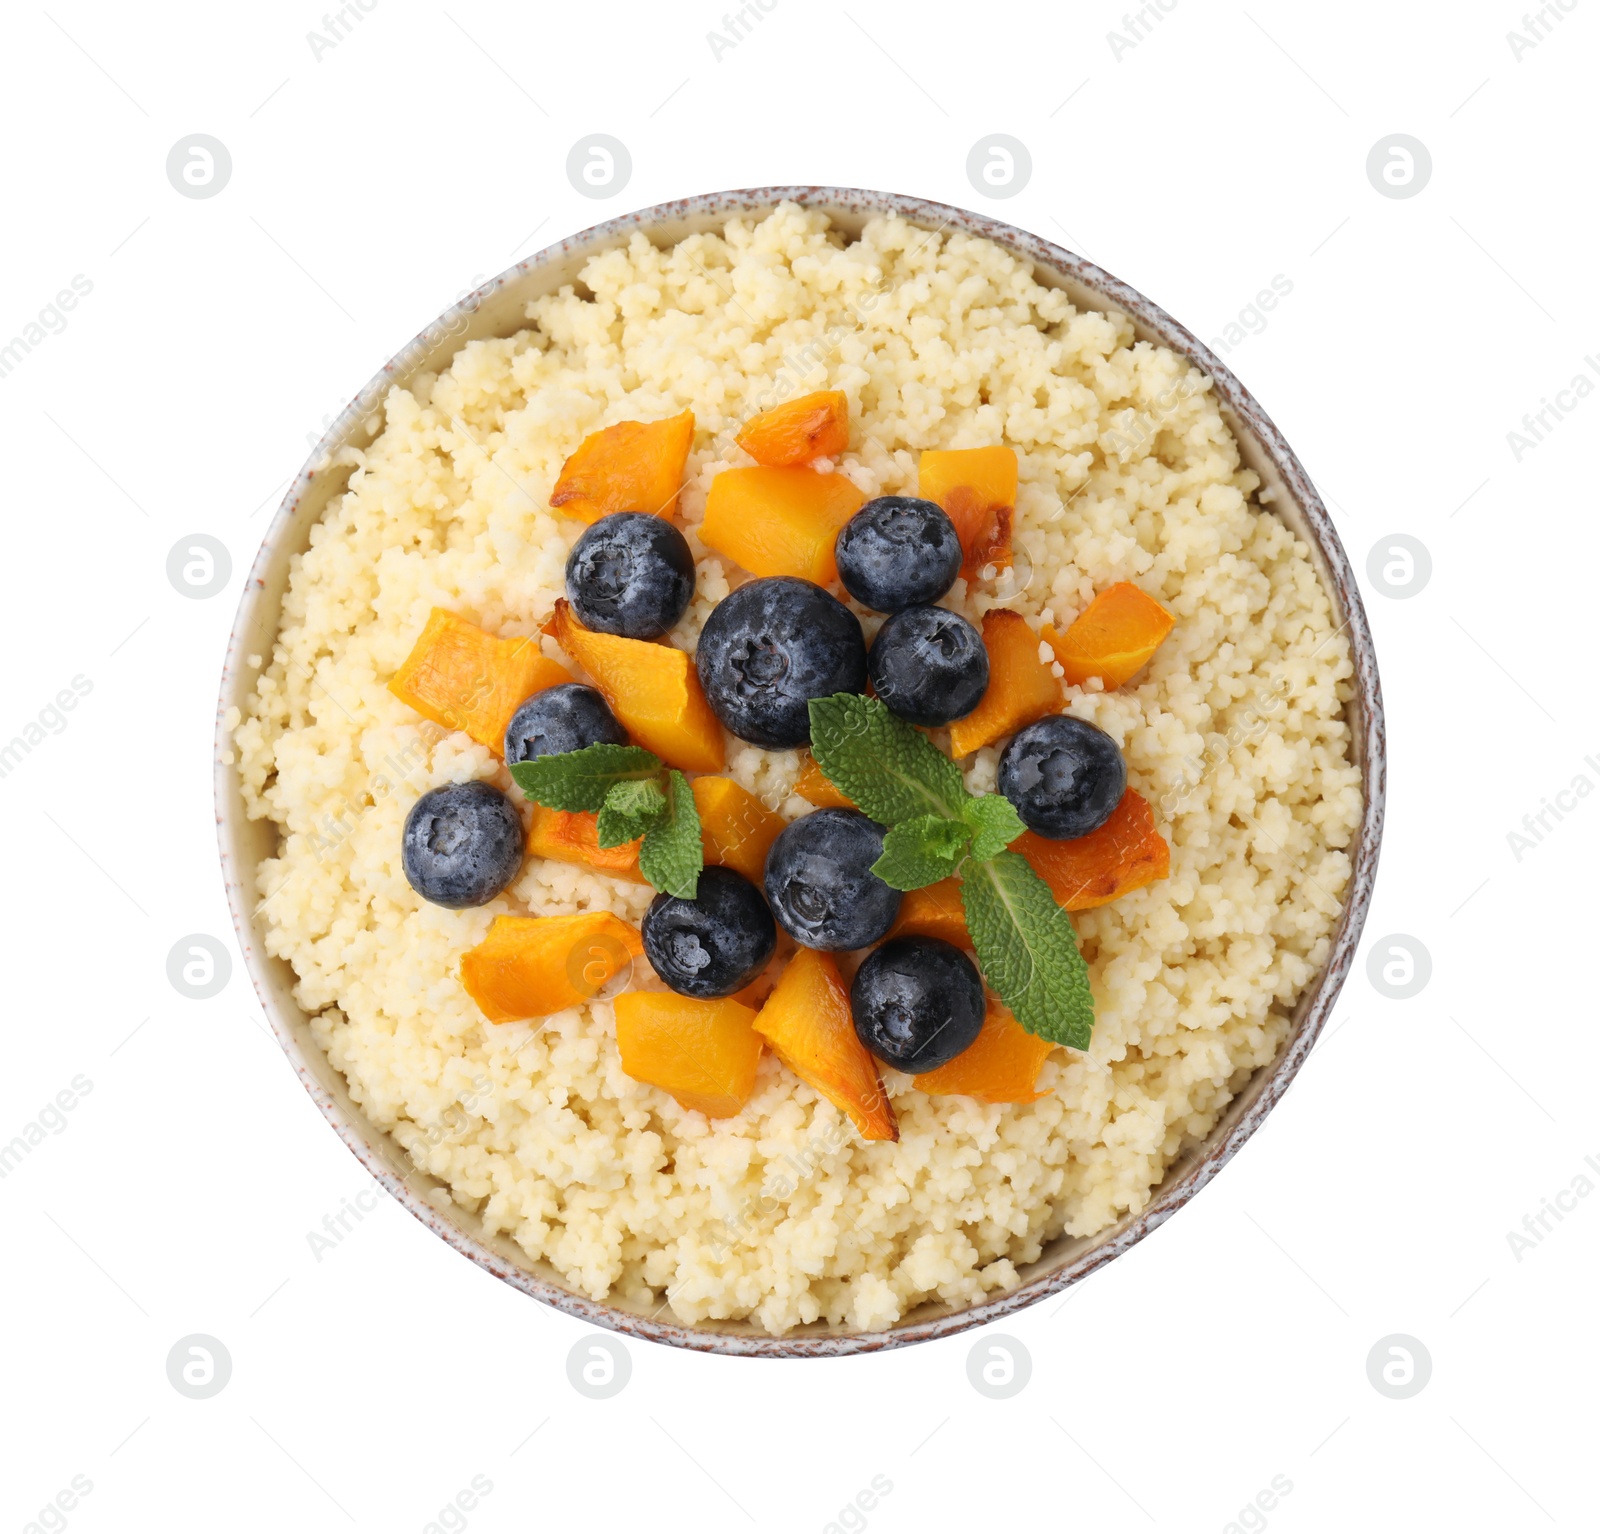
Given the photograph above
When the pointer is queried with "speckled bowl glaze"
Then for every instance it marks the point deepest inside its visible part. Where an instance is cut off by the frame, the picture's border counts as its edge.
(496, 309)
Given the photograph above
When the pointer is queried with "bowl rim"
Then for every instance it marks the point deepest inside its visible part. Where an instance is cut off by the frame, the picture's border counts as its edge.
(1248, 1108)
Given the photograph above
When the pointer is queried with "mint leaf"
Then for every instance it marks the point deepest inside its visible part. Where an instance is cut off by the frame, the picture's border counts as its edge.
(1027, 949)
(887, 767)
(671, 855)
(580, 780)
(921, 851)
(629, 810)
(995, 824)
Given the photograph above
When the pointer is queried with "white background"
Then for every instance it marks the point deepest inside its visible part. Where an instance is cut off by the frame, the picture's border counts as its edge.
(427, 150)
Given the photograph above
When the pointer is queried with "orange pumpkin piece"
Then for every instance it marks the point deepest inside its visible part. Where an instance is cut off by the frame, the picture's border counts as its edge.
(780, 521)
(977, 487)
(813, 426)
(632, 466)
(1022, 687)
(1126, 853)
(1113, 637)
(572, 836)
(807, 1022)
(755, 994)
(936, 910)
(736, 828)
(465, 679)
(1001, 1065)
(813, 785)
(652, 689)
(531, 966)
(704, 1053)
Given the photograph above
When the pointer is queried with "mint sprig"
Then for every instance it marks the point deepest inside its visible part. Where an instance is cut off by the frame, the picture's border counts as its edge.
(671, 855)
(629, 810)
(582, 780)
(921, 851)
(632, 794)
(888, 768)
(995, 824)
(1027, 949)
(1024, 940)
(928, 848)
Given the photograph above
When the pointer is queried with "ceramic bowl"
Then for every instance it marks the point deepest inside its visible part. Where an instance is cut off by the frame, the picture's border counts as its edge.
(497, 309)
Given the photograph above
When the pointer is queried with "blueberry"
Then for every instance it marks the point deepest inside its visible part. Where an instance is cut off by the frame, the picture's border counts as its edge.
(771, 647)
(1063, 776)
(929, 665)
(462, 844)
(567, 717)
(630, 574)
(898, 552)
(715, 944)
(917, 1003)
(820, 882)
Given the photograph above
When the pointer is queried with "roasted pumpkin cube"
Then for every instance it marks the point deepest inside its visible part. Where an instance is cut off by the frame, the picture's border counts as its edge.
(935, 910)
(531, 966)
(813, 785)
(1001, 1065)
(572, 836)
(807, 1022)
(652, 689)
(755, 994)
(1124, 854)
(632, 466)
(1022, 687)
(465, 679)
(813, 426)
(705, 1053)
(977, 487)
(736, 828)
(1113, 638)
(780, 521)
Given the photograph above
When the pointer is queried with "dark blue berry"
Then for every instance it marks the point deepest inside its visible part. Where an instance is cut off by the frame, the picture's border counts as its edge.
(898, 552)
(917, 1003)
(715, 944)
(771, 647)
(820, 882)
(630, 574)
(462, 844)
(567, 717)
(929, 665)
(1063, 776)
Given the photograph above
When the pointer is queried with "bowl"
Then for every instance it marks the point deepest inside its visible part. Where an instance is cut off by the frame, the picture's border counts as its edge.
(496, 309)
